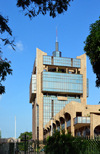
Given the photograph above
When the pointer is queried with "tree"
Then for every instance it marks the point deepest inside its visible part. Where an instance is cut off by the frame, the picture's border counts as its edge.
(62, 143)
(33, 8)
(5, 67)
(28, 134)
(92, 49)
(26, 138)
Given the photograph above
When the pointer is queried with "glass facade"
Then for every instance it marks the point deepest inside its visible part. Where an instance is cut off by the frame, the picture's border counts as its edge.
(77, 63)
(63, 126)
(47, 60)
(58, 105)
(61, 61)
(57, 54)
(68, 123)
(37, 121)
(87, 87)
(62, 82)
(37, 115)
(58, 128)
(33, 83)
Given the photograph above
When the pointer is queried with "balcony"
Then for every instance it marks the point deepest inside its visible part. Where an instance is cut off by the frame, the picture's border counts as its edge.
(32, 87)
(81, 120)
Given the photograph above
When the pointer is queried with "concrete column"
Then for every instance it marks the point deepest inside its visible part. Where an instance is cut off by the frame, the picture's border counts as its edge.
(66, 70)
(72, 127)
(49, 132)
(56, 69)
(66, 127)
(47, 68)
(83, 72)
(51, 127)
(76, 70)
(91, 127)
(56, 126)
(60, 126)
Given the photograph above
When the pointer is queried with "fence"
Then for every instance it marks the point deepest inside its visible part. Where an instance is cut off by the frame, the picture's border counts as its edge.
(86, 146)
(7, 148)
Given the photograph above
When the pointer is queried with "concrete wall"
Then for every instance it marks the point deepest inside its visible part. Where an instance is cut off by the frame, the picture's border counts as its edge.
(83, 71)
(39, 94)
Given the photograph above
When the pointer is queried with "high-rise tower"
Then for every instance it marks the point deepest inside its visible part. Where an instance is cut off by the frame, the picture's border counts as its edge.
(55, 80)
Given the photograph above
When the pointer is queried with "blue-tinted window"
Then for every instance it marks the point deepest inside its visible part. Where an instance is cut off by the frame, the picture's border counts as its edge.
(61, 61)
(87, 87)
(47, 60)
(58, 105)
(62, 82)
(77, 63)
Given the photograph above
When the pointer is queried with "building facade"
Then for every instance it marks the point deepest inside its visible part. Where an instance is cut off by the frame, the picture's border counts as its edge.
(58, 93)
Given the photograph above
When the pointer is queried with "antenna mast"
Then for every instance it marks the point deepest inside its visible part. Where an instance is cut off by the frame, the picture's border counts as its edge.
(57, 48)
(56, 35)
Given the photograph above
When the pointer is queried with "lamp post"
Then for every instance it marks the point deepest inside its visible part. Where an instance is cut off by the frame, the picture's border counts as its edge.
(25, 141)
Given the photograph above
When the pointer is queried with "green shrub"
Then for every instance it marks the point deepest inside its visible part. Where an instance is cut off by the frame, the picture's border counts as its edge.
(61, 143)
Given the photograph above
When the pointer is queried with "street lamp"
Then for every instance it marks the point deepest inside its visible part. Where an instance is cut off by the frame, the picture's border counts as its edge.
(24, 138)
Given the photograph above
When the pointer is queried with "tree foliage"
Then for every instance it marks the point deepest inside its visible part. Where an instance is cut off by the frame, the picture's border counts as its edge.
(5, 67)
(28, 135)
(26, 138)
(33, 8)
(62, 143)
(92, 49)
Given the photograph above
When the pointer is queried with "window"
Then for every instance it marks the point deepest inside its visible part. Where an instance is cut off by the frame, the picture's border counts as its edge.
(78, 114)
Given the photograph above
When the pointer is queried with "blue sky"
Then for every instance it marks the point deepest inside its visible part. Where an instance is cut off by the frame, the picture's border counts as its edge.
(73, 28)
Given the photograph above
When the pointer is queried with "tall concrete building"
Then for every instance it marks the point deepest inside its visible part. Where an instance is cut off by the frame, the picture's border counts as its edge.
(58, 93)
